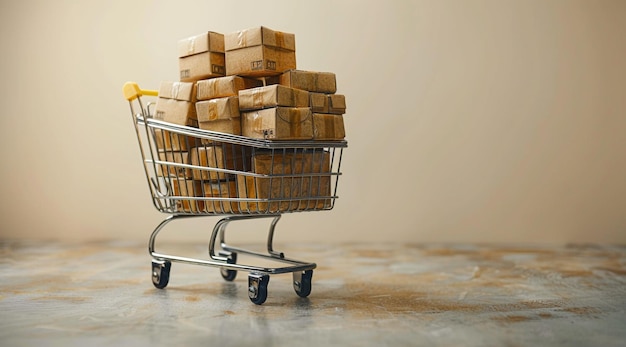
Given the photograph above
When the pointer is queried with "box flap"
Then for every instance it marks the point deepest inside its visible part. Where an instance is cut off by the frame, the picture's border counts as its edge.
(272, 96)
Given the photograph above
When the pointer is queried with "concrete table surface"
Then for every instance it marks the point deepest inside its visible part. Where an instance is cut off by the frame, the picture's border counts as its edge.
(101, 294)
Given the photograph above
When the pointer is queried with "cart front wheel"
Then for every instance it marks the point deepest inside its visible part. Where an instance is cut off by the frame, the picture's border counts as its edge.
(302, 282)
(257, 288)
(161, 273)
(229, 274)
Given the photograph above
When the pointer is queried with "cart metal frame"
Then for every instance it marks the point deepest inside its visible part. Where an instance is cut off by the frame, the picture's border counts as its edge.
(313, 190)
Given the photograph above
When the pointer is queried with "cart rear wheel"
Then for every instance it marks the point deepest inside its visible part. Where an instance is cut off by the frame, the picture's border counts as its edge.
(161, 273)
(257, 288)
(229, 274)
(302, 282)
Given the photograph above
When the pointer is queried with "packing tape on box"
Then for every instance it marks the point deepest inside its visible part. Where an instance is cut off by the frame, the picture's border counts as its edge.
(175, 90)
(212, 109)
(242, 38)
(314, 81)
(257, 98)
(257, 123)
(191, 45)
(279, 38)
(329, 123)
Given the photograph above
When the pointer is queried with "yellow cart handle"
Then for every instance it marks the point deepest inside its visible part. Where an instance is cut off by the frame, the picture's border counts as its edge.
(131, 91)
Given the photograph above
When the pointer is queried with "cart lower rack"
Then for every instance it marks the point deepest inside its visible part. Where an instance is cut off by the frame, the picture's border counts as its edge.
(193, 172)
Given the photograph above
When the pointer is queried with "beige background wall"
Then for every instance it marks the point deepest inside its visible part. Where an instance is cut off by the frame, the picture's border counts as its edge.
(486, 121)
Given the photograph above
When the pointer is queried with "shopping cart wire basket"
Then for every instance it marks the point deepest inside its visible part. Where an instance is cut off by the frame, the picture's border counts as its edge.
(193, 172)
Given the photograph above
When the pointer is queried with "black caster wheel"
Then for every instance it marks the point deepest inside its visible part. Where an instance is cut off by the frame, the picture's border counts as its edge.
(229, 274)
(257, 288)
(161, 273)
(302, 282)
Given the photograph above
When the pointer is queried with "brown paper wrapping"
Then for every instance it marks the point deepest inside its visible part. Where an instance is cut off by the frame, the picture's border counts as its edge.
(259, 36)
(221, 115)
(176, 111)
(320, 82)
(278, 123)
(224, 86)
(272, 96)
(328, 127)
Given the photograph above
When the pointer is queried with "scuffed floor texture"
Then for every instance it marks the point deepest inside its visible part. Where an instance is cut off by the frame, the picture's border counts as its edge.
(96, 294)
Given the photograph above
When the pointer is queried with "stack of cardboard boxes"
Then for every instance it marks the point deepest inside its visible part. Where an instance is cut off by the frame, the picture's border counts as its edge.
(247, 83)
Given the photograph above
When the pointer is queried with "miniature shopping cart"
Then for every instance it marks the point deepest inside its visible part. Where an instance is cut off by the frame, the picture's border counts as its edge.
(193, 172)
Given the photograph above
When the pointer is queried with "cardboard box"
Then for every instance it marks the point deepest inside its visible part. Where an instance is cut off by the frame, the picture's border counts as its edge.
(175, 103)
(221, 115)
(336, 104)
(169, 141)
(328, 127)
(185, 91)
(318, 102)
(187, 188)
(206, 42)
(220, 87)
(224, 189)
(224, 156)
(272, 96)
(201, 56)
(312, 81)
(278, 123)
(301, 191)
(171, 170)
(176, 111)
(259, 52)
(327, 103)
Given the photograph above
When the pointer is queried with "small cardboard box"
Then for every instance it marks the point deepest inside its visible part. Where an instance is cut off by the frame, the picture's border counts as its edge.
(224, 189)
(327, 103)
(175, 103)
(278, 123)
(185, 91)
(336, 104)
(312, 81)
(328, 127)
(229, 157)
(259, 52)
(272, 96)
(176, 111)
(221, 115)
(201, 56)
(293, 180)
(318, 102)
(170, 169)
(169, 141)
(187, 188)
(220, 87)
